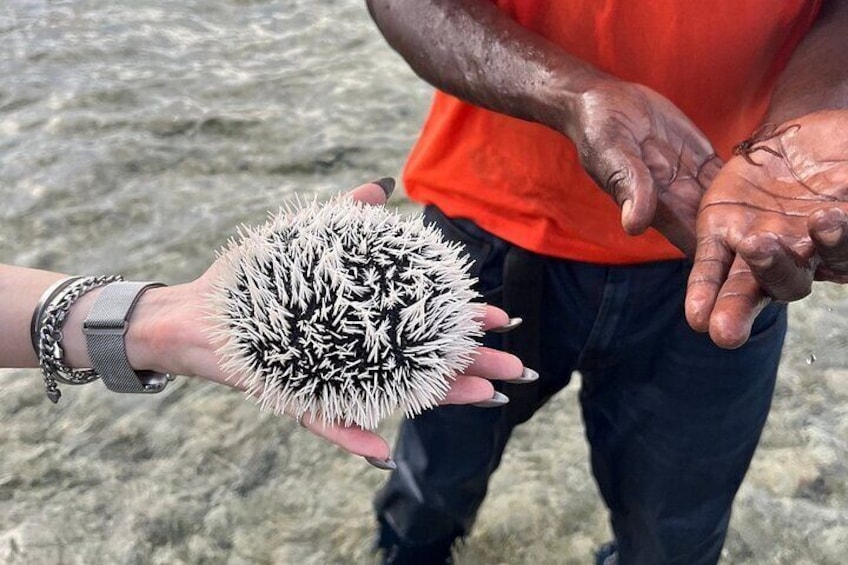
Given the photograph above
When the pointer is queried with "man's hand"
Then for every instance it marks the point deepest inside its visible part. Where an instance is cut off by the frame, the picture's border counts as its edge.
(773, 220)
(646, 154)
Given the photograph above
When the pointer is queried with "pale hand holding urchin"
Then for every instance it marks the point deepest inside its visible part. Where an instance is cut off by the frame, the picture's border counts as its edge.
(345, 312)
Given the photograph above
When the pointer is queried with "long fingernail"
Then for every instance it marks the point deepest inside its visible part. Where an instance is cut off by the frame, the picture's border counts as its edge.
(499, 399)
(509, 326)
(387, 464)
(387, 184)
(527, 376)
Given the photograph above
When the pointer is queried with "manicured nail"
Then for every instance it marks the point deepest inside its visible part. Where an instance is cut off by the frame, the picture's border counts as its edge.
(382, 464)
(509, 326)
(387, 184)
(499, 399)
(527, 376)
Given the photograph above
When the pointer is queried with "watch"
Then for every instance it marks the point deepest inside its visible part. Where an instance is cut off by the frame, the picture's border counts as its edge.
(105, 329)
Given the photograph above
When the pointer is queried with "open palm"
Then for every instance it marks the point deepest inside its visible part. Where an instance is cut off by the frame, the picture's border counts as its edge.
(773, 220)
(185, 348)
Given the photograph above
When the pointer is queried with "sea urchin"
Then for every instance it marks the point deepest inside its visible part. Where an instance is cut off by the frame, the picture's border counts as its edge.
(344, 311)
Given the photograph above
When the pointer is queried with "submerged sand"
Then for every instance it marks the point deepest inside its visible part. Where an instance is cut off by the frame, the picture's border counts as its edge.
(198, 475)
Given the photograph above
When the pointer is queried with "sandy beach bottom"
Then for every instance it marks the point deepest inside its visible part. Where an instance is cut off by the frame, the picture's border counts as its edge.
(198, 475)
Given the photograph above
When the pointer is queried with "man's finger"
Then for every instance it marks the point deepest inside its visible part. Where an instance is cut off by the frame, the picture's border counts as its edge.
(828, 228)
(636, 194)
(621, 173)
(737, 305)
(712, 262)
(707, 171)
(676, 211)
(780, 272)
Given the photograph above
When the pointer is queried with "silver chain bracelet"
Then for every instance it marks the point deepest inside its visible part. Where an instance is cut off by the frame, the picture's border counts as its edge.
(48, 319)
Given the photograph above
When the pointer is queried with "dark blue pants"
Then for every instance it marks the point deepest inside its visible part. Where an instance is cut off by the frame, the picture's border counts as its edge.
(672, 420)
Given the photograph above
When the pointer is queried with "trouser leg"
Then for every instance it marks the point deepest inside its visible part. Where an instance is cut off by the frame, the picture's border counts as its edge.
(444, 460)
(446, 456)
(673, 420)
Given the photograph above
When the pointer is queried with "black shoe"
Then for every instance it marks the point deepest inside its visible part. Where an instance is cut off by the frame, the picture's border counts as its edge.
(607, 554)
(395, 551)
(415, 555)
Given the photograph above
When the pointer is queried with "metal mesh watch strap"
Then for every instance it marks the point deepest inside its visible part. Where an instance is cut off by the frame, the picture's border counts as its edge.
(105, 329)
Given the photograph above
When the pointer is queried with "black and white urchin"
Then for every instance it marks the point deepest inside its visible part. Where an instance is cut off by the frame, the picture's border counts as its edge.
(345, 311)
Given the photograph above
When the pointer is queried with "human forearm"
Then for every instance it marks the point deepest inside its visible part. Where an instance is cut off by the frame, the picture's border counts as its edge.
(20, 290)
(816, 77)
(473, 50)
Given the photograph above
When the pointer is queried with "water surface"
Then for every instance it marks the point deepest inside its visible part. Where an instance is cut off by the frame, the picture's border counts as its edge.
(134, 137)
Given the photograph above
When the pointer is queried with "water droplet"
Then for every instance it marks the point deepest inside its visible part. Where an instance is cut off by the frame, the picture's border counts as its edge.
(811, 359)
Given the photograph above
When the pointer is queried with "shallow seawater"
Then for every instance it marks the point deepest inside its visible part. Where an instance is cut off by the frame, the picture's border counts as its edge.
(134, 138)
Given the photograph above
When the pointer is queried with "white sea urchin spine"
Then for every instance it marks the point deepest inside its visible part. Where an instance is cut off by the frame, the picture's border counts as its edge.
(345, 311)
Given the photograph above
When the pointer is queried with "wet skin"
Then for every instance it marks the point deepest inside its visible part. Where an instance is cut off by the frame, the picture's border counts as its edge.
(647, 155)
(767, 229)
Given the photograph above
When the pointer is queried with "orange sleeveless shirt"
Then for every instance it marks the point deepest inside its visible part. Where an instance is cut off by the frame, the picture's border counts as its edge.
(717, 60)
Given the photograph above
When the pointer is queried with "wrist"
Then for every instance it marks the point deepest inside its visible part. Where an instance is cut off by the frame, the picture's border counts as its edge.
(82, 329)
(73, 340)
(166, 333)
(562, 97)
(145, 341)
(152, 338)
